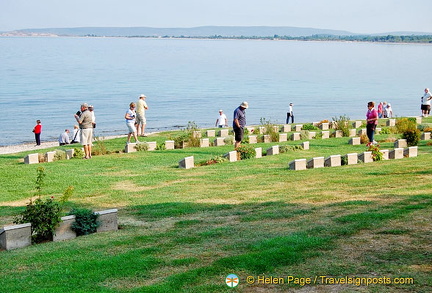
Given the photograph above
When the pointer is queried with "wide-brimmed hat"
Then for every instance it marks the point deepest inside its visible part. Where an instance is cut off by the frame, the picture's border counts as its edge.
(244, 105)
(143, 96)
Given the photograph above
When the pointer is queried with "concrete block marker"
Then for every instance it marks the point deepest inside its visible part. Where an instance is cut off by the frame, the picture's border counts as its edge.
(219, 141)
(151, 145)
(267, 138)
(31, 159)
(333, 161)
(252, 139)
(352, 132)
(411, 152)
(366, 157)
(70, 153)
(108, 220)
(15, 236)
(187, 163)
(312, 134)
(204, 142)
(274, 150)
(130, 148)
(354, 141)
(396, 154)
(211, 133)
(298, 127)
(223, 132)
(299, 164)
(258, 153)
(49, 156)
(317, 162)
(425, 136)
(64, 230)
(400, 143)
(362, 132)
(295, 136)
(305, 145)
(286, 128)
(391, 122)
(324, 126)
(338, 133)
(231, 156)
(357, 124)
(325, 134)
(385, 154)
(169, 144)
(351, 159)
(283, 137)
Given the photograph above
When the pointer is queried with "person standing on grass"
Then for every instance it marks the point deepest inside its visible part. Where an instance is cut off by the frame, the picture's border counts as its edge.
(426, 103)
(140, 121)
(130, 123)
(222, 120)
(85, 121)
(371, 122)
(290, 114)
(37, 130)
(239, 122)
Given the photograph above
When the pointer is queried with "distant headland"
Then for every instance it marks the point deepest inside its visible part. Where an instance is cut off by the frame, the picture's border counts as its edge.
(226, 32)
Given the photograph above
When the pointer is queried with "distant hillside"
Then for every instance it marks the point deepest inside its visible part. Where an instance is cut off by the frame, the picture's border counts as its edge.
(204, 31)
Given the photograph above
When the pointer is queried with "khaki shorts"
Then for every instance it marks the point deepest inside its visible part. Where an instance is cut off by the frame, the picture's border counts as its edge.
(86, 136)
(140, 119)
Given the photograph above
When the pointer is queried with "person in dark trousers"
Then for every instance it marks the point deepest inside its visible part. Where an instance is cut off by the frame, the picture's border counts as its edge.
(290, 113)
(239, 122)
(37, 130)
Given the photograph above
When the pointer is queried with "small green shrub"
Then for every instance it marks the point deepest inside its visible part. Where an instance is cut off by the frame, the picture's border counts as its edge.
(376, 154)
(385, 130)
(59, 155)
(412, 136)
(246, 152)
(213, 160)
(270, 129)
(44, 216)
(229, 140)
(160, 147)
(187, 137)
(289, 148)
(99, 147)
(78, 153)
(85, 221)
(405, 124)
(309, 127)
(342, 123)
(142, 147)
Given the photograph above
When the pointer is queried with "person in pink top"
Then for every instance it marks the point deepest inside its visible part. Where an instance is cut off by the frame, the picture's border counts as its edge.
(380, 110)
(371, 122)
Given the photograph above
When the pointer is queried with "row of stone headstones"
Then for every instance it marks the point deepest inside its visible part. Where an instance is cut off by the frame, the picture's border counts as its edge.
(17, 236)
(188, 162)
(48, 157)
(351, 159)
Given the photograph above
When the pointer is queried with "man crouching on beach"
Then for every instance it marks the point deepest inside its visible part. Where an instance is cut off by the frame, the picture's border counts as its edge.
(85, 121)
(239, 122)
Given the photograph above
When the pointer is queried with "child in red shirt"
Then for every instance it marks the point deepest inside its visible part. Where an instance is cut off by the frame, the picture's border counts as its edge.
(37, 131)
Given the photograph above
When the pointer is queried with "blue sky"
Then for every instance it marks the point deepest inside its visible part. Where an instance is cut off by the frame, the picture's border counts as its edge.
(360, 16)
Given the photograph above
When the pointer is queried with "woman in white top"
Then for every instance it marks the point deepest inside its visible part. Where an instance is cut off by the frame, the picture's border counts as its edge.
(130, 122)
(426, 103)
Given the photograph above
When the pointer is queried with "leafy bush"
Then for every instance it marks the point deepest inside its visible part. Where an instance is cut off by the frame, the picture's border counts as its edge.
(85, 221)
(78, 153)
(405, 124)
(364, 139)
(270, 129)
(287, 148)
(376, 154)
(385, 130)
(100, 147)
(161, 146)
(229, 140)
(214, 160)
(309, 127)
(44, 215)
(59, 155)
(246, 152)
(412, 136)
(187, 137)
(142, 147)
(342, 123)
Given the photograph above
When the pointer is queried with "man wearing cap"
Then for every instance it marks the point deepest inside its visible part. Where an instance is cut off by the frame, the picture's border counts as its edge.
(239, 122)
(140, 120)
(222, 120)
(85, 121)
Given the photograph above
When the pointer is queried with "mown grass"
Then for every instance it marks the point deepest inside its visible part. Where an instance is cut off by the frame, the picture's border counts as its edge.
(186, 230)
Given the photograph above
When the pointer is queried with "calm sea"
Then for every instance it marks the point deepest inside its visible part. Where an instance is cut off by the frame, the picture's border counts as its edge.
(190, 80)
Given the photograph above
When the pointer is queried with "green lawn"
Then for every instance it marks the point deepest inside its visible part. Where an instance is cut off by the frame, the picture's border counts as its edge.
(186, 230)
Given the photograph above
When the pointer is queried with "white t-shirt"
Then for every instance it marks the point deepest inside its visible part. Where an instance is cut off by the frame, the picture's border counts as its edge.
(131, 114)
(222, 120)
(426, 99)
